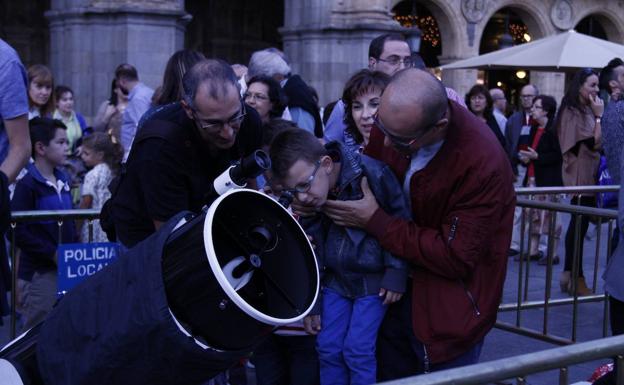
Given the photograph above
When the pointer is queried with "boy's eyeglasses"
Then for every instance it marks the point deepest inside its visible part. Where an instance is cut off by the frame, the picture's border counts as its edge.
(304, 187)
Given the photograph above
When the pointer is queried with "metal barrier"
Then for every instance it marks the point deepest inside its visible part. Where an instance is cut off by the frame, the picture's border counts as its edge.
(40, 215)
(566, 190)
(519, 367)
(514, 367)
(522, 302)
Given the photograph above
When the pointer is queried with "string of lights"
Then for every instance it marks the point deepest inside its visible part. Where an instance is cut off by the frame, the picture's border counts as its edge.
(518, 32)
(427, 25)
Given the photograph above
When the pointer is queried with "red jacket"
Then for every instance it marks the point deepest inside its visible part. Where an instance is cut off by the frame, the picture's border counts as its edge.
(457, 241)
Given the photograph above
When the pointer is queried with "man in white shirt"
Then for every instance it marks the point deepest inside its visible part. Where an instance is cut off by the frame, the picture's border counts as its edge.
(139, 101)
(500, 106)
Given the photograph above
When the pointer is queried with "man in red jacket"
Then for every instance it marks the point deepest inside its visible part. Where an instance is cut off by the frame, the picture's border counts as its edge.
(460, 190)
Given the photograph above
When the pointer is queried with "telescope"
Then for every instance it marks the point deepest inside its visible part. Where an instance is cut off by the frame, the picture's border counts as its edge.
(182, 306)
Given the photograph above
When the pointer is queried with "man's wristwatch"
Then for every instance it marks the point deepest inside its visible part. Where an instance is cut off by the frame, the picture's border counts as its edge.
(598, 119)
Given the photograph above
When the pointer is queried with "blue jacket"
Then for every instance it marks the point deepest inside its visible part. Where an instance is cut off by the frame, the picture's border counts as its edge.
(351, 261)
(614, 284)
(38, 240)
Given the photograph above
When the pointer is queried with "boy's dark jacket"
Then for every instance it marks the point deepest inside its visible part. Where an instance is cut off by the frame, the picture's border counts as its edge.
(351, 261)
(38, 240)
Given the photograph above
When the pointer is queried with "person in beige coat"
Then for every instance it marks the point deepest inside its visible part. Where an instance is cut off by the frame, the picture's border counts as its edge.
(580, 137)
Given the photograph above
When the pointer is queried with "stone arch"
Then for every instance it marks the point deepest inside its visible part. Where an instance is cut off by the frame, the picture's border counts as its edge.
(536, 18)
(609, 20)
(447, 18)
(449, 30)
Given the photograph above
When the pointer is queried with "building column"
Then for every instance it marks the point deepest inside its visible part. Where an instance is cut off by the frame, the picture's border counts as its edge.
(459, 80)
(88, 39)
(549, 83)
(328, 41)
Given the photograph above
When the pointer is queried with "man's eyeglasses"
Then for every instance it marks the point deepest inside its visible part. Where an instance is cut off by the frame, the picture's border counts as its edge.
(401, 143)
(398, 142)
(395, 61)
(215, 126)
(249, 96)
(304, 187)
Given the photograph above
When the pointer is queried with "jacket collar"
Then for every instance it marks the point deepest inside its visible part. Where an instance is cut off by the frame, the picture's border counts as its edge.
(351, 165)
(58, 174)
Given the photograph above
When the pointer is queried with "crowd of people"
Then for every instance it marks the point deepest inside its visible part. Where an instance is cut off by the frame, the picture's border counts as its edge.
(406, 188)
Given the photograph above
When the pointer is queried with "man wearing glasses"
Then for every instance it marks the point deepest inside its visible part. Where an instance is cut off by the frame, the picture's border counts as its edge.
(459, 186)
(518, 131)
(181, 149)
(388, 53)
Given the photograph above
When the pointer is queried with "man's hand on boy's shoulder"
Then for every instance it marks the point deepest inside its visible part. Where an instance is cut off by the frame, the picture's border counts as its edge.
(353, 213)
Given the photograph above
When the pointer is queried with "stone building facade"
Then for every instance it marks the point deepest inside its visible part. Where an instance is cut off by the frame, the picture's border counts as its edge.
(329, 39)
(325, 40)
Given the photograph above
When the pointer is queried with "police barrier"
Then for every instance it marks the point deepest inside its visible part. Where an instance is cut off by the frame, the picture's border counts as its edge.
(78, 261)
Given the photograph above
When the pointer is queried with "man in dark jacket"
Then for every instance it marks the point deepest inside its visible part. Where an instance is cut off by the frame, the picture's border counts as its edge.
(180, 150)
(460, 190)
(612, 81)
(519, 127)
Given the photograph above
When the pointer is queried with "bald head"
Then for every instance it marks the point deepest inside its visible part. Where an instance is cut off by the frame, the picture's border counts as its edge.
(497, 93)
(498, 99)
(527, 94)
(414, 95)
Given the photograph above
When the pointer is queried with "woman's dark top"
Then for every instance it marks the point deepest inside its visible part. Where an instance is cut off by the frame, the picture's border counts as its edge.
(549, 160)
(493, 124)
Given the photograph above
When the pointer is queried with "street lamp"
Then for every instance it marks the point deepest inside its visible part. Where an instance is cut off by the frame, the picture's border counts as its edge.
(414, 34)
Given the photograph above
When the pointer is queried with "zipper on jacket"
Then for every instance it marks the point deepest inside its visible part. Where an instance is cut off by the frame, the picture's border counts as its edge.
(451, 236)
(425, 359)
(471, 298)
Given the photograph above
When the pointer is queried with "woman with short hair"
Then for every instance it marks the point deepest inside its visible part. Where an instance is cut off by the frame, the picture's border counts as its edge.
(480, 103)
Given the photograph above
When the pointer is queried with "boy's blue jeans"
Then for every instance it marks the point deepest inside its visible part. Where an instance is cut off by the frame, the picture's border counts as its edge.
(346, 343)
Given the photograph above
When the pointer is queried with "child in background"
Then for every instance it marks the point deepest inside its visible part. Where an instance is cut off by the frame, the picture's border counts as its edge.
(359, 278)
(75, 123)
(44, 187)
(103, 157)
(76, 129)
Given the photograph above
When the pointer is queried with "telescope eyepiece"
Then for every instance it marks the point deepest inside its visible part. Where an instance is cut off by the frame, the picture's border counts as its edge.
(250, 167)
